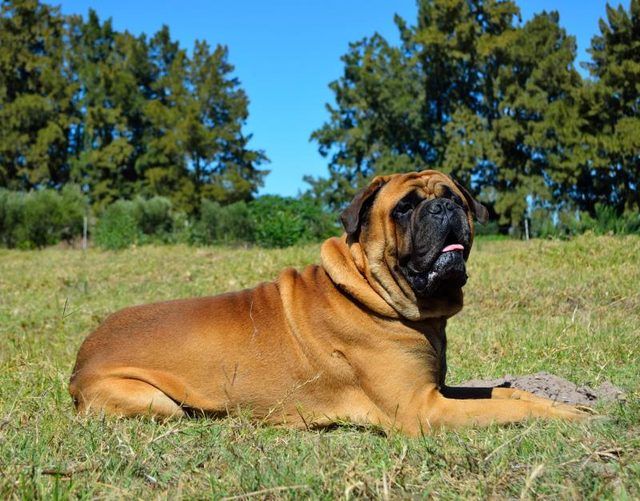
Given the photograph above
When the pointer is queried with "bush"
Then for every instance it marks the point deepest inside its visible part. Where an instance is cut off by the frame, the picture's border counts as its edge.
(117, 227)
(321, 223)
(236, 224)
(608, 221)
(283, 221)
(269, 221)
(568, 223)
(154, 218)
(74, 207)
(41, 218)
(41, 214)
(125, 222)
(564, 223)
(278, 223)
(182, 228)
(485, 229)
(11, 210)
(223, 224)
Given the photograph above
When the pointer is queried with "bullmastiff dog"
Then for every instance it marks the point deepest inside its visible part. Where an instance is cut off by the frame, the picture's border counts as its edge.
(359, 338)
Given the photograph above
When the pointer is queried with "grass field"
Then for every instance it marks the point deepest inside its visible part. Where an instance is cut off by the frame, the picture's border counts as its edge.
(570, 308)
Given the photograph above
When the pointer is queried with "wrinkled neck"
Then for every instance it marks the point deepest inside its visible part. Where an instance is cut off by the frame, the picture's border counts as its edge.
(345, 266)
(366, 278)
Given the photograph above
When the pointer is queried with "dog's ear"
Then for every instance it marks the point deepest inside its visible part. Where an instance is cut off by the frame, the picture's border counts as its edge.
(479, 211)
(351, 217)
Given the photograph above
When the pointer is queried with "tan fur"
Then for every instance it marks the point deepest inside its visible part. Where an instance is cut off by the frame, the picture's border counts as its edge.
(347, 340)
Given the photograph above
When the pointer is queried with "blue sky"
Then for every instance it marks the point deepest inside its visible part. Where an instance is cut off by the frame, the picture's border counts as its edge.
(287, 51)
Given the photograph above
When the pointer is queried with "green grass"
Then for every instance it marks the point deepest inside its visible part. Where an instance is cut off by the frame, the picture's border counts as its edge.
(571, 308)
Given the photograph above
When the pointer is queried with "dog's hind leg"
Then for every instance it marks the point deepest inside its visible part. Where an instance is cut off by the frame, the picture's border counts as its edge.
(124, 397)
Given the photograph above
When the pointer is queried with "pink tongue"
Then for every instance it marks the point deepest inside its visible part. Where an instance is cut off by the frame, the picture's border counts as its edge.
(453, 247)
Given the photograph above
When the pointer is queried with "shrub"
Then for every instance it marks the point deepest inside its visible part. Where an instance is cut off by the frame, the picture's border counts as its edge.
(154, 218)
(278, 224)
(236, 224)
(564, 223)
(117, 227)
(488, 228)
(270, 221)
(126, 222)
(205, 230)
(41, 218)
(182, 228)
(607, 221)
(74, 207)
(567, 223)
(223, 224)
(321, 224)
(283, 221)
(11, 210)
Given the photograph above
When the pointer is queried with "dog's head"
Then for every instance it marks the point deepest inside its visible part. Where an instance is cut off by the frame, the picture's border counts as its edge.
(414, 232)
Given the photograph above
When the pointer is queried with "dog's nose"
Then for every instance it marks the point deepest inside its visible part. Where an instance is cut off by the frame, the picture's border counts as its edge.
(440, 206)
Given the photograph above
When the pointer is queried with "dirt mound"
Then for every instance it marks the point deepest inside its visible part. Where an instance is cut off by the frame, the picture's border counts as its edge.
(554, 387)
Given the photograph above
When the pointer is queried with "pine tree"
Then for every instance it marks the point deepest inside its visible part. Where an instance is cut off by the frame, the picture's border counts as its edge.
(164, 162)
(536, 117)
(101, 142)
(153, 121)
(377, 124)
(222, 167)
(609, 166)
(35, 96)
(196, 147)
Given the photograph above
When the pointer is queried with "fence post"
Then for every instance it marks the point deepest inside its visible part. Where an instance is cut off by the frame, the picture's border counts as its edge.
(84, 232)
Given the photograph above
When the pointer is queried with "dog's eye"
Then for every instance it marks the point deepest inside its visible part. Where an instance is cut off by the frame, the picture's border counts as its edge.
(457, 200)
(403, 209)
(450, 195)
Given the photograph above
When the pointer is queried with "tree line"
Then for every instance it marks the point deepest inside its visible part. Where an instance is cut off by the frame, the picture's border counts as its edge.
(117, 114)
(495, 102)
(470, 89)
